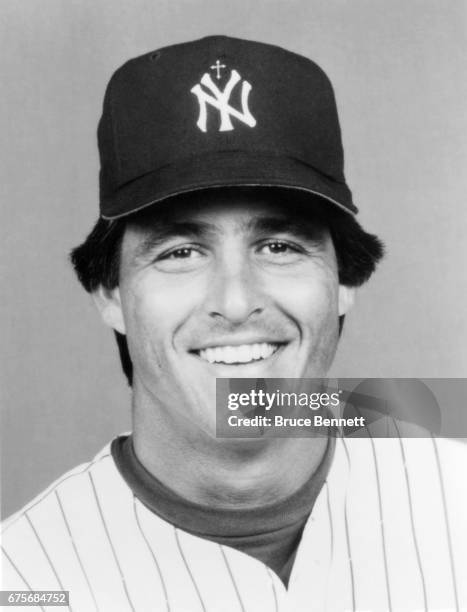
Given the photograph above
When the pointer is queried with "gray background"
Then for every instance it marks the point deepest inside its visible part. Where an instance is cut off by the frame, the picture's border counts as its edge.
(399, 71)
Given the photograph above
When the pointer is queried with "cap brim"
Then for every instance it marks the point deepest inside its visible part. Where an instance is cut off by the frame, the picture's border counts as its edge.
(225, 169)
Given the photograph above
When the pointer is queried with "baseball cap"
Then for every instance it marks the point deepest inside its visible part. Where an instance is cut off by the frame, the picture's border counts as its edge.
(218, 112)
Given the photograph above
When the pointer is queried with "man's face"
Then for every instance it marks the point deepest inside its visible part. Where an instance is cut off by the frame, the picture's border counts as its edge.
(228, 284)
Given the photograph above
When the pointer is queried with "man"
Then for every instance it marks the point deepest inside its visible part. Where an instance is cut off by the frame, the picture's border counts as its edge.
(227, 248)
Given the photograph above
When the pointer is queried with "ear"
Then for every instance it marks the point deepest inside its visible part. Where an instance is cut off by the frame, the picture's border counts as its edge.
(109, 305)
(346, 299)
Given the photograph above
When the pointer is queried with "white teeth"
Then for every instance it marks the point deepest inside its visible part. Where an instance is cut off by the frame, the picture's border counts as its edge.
(256, 350)
(238, 354)
(209, 355)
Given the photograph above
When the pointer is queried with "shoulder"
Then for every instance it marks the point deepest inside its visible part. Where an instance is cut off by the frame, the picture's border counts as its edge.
(69, 482)
(437, 463)
(395, 508)
(43, 534)
(70, 478)
(444, 453)
(416, 484)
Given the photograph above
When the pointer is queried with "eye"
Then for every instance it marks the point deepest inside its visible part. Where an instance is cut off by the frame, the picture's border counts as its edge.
(182, 253)
(278, 247)
(181, 259)
(279, 251)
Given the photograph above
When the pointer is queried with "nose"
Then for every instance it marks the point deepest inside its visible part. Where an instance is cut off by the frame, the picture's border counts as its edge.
(235, 291)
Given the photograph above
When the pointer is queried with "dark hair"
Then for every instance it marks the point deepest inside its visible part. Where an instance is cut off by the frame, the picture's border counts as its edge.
(97, 260)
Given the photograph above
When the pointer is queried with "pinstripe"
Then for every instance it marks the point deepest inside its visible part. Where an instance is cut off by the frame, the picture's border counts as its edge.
(13, 565)
(331, 533)
(48, 491)
(380, 507)
(10, 560)
(232, 578)
(276, 603)
(347, 537)
(110, 540)
(381, 524)
(331, 526)
(75, 549)
(26, 516)
(446, 521)
(188, 569)
(164, 587)
(352, 580)
(412, 522)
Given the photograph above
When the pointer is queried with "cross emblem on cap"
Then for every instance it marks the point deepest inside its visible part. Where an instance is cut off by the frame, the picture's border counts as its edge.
(217, 67)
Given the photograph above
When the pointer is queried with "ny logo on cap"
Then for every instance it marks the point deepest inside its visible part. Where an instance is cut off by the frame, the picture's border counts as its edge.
(220, 100)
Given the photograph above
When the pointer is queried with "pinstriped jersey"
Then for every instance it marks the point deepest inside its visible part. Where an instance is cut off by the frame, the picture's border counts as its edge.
(388, 532)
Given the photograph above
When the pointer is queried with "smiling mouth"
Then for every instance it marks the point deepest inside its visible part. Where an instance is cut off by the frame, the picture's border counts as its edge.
(244, 353)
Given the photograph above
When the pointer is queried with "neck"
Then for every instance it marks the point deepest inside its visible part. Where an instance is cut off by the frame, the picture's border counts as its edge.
(234, 473)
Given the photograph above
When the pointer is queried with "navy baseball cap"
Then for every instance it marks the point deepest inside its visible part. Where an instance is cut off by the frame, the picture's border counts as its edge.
(218, 112)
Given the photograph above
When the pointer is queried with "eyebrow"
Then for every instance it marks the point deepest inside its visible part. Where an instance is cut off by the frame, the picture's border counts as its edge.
(157, 234)
(303, 227)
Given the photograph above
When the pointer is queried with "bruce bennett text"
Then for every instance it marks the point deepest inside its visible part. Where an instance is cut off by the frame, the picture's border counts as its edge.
(279, 421)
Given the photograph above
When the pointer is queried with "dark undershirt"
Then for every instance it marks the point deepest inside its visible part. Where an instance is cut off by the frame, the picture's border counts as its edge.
(270, 533)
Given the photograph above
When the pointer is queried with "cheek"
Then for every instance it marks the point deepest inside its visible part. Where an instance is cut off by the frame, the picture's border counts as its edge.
(311, 299)
(153, 313)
